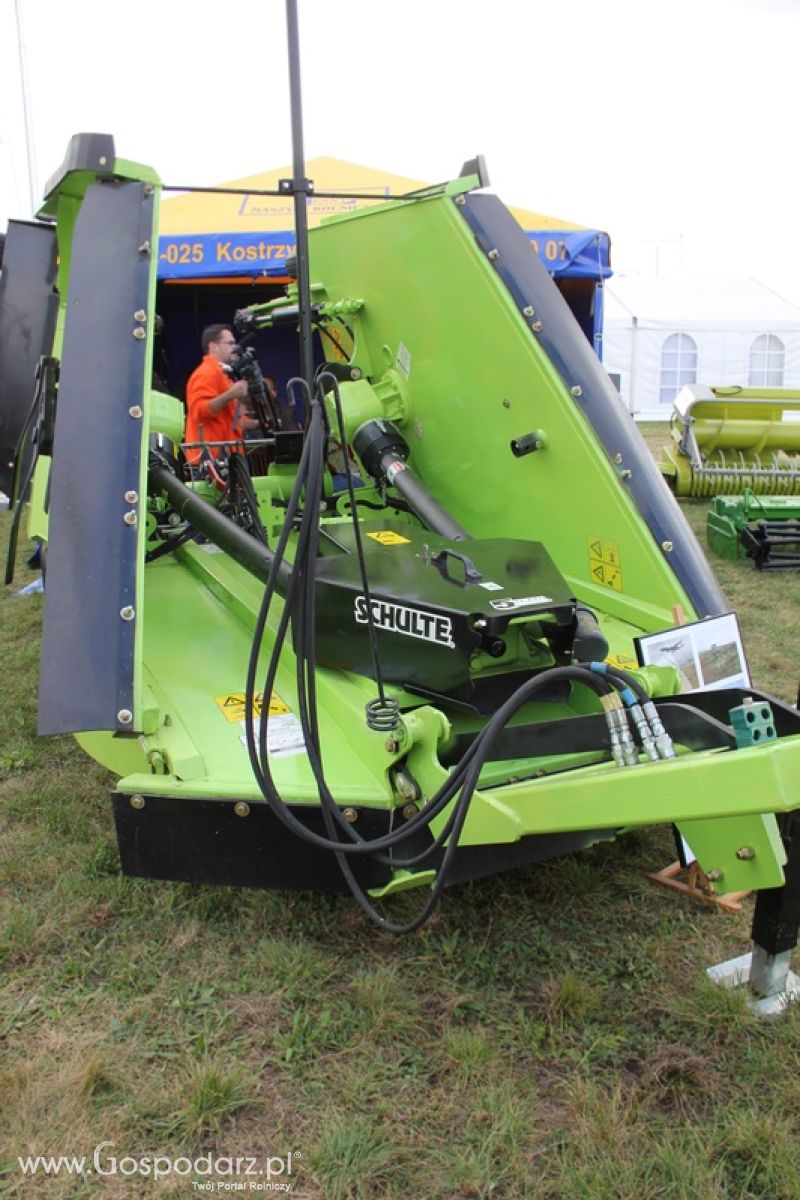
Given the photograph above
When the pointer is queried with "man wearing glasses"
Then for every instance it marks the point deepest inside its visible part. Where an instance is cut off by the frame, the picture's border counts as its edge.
(212, 401)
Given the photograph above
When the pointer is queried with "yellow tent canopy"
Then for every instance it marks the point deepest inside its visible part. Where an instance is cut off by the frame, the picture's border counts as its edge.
(213, 235)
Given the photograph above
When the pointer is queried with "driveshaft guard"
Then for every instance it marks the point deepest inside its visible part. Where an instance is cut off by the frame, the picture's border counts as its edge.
(435, 603)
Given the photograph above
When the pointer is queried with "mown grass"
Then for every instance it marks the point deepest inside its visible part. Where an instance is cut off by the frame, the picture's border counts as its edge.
(549, 1036)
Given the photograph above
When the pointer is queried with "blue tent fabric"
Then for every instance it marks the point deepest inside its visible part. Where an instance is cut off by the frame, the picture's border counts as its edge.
(573, 254)
(210, 255)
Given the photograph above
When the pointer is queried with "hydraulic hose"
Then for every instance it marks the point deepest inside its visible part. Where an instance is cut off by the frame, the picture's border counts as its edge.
(621, 679)
(340, 837)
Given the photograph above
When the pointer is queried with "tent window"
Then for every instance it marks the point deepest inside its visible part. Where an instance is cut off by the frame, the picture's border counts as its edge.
(767, 359)
(678, 365)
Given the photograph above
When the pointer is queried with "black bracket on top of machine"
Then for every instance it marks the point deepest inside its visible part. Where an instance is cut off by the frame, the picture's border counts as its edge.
(471, 572)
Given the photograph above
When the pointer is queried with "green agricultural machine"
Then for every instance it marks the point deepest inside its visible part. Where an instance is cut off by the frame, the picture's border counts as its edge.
(422, 676)
(741, 447)
(728, 439)
(765, 529)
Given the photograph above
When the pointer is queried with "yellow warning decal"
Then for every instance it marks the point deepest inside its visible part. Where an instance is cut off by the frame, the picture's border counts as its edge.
(628, 662)
(605, 563)
(234, 709)
(387, 537)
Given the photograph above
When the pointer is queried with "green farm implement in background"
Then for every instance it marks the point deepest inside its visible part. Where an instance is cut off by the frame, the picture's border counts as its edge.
(728, 439)
(764, 528)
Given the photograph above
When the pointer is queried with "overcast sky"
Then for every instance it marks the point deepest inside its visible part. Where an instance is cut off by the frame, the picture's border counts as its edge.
(670, 125)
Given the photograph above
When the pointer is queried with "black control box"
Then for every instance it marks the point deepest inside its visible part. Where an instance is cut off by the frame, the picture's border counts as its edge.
(435, 603)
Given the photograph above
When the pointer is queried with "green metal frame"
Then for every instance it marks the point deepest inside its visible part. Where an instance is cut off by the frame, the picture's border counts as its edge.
(442, 350)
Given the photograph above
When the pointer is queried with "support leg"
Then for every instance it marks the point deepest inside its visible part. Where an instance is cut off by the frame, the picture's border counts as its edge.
(776, 923)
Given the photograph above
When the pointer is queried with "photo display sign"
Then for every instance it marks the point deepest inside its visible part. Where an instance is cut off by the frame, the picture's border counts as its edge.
(708, 654)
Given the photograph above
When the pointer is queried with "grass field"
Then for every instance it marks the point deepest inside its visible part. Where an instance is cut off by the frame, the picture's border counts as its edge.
(549, 1036)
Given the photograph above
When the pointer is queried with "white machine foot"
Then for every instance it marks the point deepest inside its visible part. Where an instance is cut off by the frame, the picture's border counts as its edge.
(773, 986)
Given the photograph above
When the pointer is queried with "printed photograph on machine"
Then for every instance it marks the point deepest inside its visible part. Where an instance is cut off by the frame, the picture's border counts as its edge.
(708, 654)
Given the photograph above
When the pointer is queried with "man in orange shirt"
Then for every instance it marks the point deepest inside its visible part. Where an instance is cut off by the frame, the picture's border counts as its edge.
(212, 400)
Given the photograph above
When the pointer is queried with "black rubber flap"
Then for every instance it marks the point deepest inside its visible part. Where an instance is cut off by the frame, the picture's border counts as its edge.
(88, 647)
(204, 841)
(572, 356)
(28, 308)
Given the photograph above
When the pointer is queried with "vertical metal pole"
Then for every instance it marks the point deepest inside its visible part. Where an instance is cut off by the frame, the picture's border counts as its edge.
(633, 380)
(300, 189)
(26, 112)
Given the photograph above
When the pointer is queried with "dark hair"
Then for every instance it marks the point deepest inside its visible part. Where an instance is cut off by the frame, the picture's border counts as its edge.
(210, 334)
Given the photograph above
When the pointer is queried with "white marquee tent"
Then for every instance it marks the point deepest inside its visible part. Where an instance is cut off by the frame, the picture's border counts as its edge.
(662, 333)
